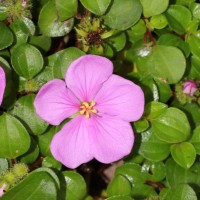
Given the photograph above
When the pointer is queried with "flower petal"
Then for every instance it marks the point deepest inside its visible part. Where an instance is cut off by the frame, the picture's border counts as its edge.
(2, 84)
(86, 74)
(55, 102)
(71, 145)
(112, 138)
(120, 98)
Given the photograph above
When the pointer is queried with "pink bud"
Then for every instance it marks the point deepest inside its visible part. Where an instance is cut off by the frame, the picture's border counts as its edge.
(2, 189)
(189, 87)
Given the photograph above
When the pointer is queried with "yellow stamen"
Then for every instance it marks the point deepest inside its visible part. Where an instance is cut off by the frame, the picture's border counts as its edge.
(87, 109)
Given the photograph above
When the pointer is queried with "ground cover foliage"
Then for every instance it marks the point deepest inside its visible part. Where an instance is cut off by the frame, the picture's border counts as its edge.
(153, 43)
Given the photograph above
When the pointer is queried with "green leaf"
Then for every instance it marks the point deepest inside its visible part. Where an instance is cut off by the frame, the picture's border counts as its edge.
(45, 139)
(75, 184)
(195, 140)
(20, 30)
(14, 139)
(122, 19)
(38, 185)
(61, 60)
(98, 7)
(158, 21)
(152, 148)
(24, 110)
(194, 43)
(41, 42)
(163, 62)
(49, 23)
(132, 172)
(66, 9)
(179, 18)
(194, 7)
(184, 154)
(50, 162)
(156, 171)
(154, 109)
(183, 192)
(26, 60)
(164, 90)
(172, 126)
(32, 154)
(119, 186)
(154, 7)
(6, 36)
(118, 41)
(195, 69)
(175, 174)
(169, 39)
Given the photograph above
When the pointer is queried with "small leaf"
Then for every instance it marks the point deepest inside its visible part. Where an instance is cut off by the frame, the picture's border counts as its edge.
(66, 9)
(14, 139)
(25, 112)
(3, 165)
(152, 148)
(38, 185)
(49, 23)
(163, 62)
(154, 7)
(154, 109)
(6, 36)
(172, 126)
(75, 184)
(179, 18)
(32, 154)
(119, 186)
(122, 19)
(183, 192)
(98, 7)
(60, 61)
(184, 154)
(27, 60)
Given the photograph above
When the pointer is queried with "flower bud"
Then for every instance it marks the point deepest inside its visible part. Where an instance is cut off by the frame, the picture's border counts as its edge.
(189, 87)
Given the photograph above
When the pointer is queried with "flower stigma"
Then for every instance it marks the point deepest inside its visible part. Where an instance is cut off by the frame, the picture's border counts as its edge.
(87, 108)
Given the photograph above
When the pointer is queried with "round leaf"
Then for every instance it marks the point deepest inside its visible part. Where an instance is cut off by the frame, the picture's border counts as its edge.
(163, 62)
(122, 19)
(6, 36)
(60, 61)
(14, 139)
(172, 126)
(184, 154)
(183, 192)
(32, 154)
(38, 185)
(98, 7)
(27, 60)
(152, 148)
(154, 7)
(179, 18)
(119, 186)
(49, 23)
(76, 186)
(25, 112)
(66, 9)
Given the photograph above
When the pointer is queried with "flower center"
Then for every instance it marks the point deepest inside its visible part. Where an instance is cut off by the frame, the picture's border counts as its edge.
(87, 109)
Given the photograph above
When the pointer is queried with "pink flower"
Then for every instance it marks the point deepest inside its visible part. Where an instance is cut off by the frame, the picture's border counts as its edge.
(189, 87)
(103, 103)
(2, 84)
(2, 189)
